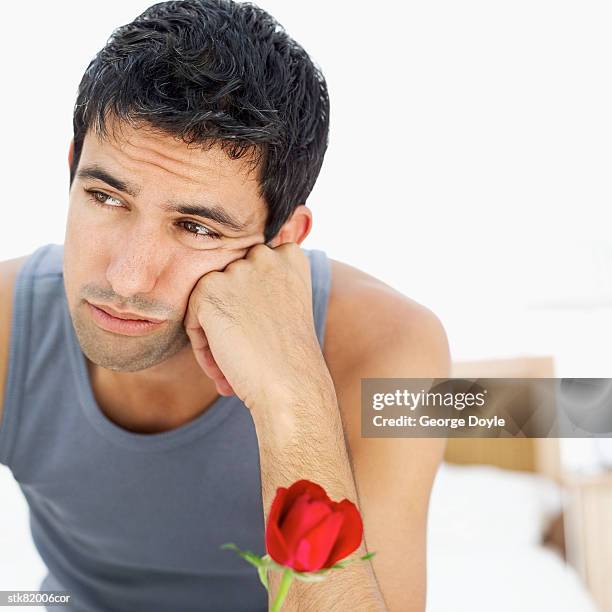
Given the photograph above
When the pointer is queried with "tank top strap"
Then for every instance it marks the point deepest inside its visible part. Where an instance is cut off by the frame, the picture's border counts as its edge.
(320, 271)
(45, 261)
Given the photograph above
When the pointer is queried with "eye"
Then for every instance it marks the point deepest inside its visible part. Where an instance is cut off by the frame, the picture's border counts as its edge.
(101, 198)
(195, 230)
(206, 233)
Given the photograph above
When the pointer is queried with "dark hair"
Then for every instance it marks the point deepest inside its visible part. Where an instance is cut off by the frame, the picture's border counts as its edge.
(215, 72)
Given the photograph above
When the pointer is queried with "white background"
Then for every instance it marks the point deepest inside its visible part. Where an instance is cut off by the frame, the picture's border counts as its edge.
(468, 166)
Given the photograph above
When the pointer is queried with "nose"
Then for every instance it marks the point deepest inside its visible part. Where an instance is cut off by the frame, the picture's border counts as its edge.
(136, 263)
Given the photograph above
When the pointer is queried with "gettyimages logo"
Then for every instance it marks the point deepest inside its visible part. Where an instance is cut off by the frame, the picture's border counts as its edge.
(486, 407)
(436, 397)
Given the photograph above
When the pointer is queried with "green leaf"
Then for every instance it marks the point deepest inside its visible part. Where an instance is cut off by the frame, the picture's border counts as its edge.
(252, 558)
(310, 576)
(247, 555)
(267, 561)
(345, 562)
(274, 565)
(262, 570)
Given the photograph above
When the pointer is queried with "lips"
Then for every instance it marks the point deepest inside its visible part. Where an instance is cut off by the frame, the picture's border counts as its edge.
(127, 316)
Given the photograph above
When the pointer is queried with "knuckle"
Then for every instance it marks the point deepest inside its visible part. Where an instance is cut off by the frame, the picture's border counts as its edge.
(261, 250)
(238, 264)
(209, 279)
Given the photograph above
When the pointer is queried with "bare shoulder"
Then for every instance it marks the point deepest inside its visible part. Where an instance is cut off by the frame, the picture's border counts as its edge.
(370, 322)
(374, 331)
(8, 273)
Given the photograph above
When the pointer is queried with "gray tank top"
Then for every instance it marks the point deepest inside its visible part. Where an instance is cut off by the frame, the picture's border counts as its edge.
(129, 522)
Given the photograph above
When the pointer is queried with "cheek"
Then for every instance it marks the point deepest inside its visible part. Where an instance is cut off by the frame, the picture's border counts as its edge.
(87, 231)
(195, 264)
(85, 254)
(80, 240)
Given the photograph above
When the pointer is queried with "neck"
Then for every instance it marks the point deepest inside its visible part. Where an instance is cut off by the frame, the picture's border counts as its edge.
(157, 399)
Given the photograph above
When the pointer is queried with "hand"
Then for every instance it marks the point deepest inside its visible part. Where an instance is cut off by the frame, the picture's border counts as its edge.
(251, 325)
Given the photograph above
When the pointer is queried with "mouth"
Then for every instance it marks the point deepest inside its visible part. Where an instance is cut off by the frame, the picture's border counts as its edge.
(126, 316)
(120, 325)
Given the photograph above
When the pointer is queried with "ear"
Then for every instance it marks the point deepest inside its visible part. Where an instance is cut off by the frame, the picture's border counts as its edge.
(71, 153)
(296, 228)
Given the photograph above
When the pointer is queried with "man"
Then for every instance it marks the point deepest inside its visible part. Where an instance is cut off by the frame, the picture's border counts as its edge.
(180, 357)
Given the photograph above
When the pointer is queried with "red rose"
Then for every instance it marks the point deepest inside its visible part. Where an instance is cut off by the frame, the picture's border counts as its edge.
(307, 531)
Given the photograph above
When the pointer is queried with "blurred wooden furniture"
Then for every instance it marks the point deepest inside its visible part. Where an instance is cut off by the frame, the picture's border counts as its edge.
(540, 455)
(588, 533)
(586, 526)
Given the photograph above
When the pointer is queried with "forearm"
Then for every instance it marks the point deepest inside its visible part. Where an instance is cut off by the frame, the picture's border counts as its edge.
(300, 436)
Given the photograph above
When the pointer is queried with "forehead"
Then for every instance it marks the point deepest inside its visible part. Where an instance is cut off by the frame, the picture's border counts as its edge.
(156, 161)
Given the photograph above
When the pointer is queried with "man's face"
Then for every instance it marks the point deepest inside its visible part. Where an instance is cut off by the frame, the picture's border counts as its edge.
(128, 248)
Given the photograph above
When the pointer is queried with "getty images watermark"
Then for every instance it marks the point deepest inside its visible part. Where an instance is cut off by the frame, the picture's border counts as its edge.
(35, 598)
(486, 407)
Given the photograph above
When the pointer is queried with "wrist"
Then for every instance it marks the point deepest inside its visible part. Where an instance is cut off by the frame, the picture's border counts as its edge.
(293, 380)
(282, 410)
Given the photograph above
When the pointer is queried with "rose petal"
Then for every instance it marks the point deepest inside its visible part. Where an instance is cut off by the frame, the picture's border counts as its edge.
(276, 545)
(350, 535)
(313, 551)
(301, 518)
(275, 542)
(304, 486)
(278, 504)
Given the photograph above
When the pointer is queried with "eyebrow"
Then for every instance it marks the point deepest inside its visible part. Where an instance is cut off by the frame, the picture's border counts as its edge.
(214, 212)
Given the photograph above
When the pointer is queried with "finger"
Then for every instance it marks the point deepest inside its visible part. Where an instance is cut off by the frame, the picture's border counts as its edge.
(203, 354)
(212, 367)
(214, 371)
(199, 342)
(224, 388)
